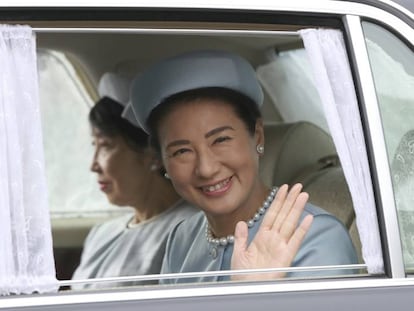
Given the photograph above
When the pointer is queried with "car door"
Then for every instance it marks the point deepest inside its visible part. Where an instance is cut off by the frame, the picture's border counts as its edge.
(261, 32)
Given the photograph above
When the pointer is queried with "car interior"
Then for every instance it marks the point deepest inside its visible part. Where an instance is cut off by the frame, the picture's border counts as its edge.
(296, 149)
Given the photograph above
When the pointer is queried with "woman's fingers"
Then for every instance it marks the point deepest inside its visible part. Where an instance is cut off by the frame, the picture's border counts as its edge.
(279, 237)
(287, 206)
(240, 238)
(273, 211)
(299, 234)
(290, 222)
(285, 211)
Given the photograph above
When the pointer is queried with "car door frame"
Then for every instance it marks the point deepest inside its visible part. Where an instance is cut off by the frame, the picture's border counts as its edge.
(286, 293)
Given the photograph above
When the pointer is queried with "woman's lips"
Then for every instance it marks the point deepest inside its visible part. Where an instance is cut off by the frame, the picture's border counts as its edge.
(104, 186)
(217, 188)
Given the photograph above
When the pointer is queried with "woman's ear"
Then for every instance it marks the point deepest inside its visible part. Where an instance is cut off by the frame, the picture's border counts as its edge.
(156, 164)
(152, 159)
(259, 133)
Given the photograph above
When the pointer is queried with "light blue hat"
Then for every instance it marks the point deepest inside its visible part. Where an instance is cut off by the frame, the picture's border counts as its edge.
(193, 70)
(117, 87)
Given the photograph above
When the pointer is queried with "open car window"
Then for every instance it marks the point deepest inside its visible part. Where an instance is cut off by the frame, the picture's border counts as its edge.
(75, 202)
(293, 126)
(64, 104)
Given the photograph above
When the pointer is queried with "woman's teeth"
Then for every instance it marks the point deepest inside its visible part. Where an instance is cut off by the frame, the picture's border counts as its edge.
(216, 186)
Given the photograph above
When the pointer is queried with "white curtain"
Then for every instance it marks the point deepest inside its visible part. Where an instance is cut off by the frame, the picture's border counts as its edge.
(327, 54)
(295, 85)
(26, 256)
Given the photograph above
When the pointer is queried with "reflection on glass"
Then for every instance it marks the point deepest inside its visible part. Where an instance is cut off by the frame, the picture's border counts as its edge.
(392, 63)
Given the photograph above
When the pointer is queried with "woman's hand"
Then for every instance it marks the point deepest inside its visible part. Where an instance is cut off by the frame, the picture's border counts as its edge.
(278, 239)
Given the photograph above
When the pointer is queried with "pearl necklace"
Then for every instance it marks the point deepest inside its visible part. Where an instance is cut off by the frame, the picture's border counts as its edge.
(250, 223)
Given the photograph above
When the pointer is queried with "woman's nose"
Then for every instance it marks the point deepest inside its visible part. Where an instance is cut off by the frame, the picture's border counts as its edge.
(95, 165)
(207, 164)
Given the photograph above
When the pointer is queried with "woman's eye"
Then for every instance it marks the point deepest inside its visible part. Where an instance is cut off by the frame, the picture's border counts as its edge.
(105, 144)
(180, 152)
(222, 139)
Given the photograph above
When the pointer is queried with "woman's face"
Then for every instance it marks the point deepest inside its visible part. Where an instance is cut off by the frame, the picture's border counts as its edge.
(122, 172)
(210, 156)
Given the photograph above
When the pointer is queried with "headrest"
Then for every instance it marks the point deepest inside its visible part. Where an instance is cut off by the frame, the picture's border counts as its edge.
(189, 71)
(287, 153)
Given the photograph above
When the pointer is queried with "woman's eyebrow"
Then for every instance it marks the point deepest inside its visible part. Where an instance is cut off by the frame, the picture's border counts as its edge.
(178, 143)
(218, 130)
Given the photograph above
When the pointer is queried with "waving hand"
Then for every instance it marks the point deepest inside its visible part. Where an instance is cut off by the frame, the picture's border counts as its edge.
(278, 239)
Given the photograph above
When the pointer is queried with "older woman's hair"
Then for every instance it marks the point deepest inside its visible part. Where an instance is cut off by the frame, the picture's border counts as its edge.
(106, 116)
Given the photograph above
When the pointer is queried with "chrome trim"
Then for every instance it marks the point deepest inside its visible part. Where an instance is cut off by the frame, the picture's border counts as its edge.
(186, 275)
(303, 6)
(322, 6)
(171, 31)
(196, 290)
(202, 4)
(399, 7)
(389, 211)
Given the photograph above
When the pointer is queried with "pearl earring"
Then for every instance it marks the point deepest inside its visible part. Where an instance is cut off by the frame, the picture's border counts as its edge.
(260, 149)
(166, 176)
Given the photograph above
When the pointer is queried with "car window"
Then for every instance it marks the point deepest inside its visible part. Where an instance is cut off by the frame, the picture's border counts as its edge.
(295, 85)
(392, 62)
(75, 202)
(64, 104)
(292, 111)
(68, 103)
(299, 146)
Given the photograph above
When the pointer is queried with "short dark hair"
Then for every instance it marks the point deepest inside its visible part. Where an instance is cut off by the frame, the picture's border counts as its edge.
(106, 116)
(245, 108)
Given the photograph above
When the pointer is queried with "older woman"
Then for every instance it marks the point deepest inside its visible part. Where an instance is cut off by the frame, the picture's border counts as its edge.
(129, 174)
(202, 110)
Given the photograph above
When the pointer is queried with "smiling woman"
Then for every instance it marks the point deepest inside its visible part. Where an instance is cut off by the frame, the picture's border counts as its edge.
(202, 112)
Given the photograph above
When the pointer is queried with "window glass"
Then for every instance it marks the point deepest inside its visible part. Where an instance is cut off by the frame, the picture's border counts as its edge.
(293, 72)
(64, 105)
(75, 201)
(308, 156)
(392, 63)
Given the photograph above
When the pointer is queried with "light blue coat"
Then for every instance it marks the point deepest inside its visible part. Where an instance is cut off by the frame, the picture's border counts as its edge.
(326, 243)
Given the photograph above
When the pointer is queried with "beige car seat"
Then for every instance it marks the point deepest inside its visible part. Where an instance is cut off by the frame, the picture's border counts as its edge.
(303, 152)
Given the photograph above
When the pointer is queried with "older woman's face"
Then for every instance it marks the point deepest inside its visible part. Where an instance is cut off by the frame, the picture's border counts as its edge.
(122, 172)
(210, 156)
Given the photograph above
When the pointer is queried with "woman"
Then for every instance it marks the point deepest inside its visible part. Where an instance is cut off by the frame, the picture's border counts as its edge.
(129, 174)
(201, 110)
